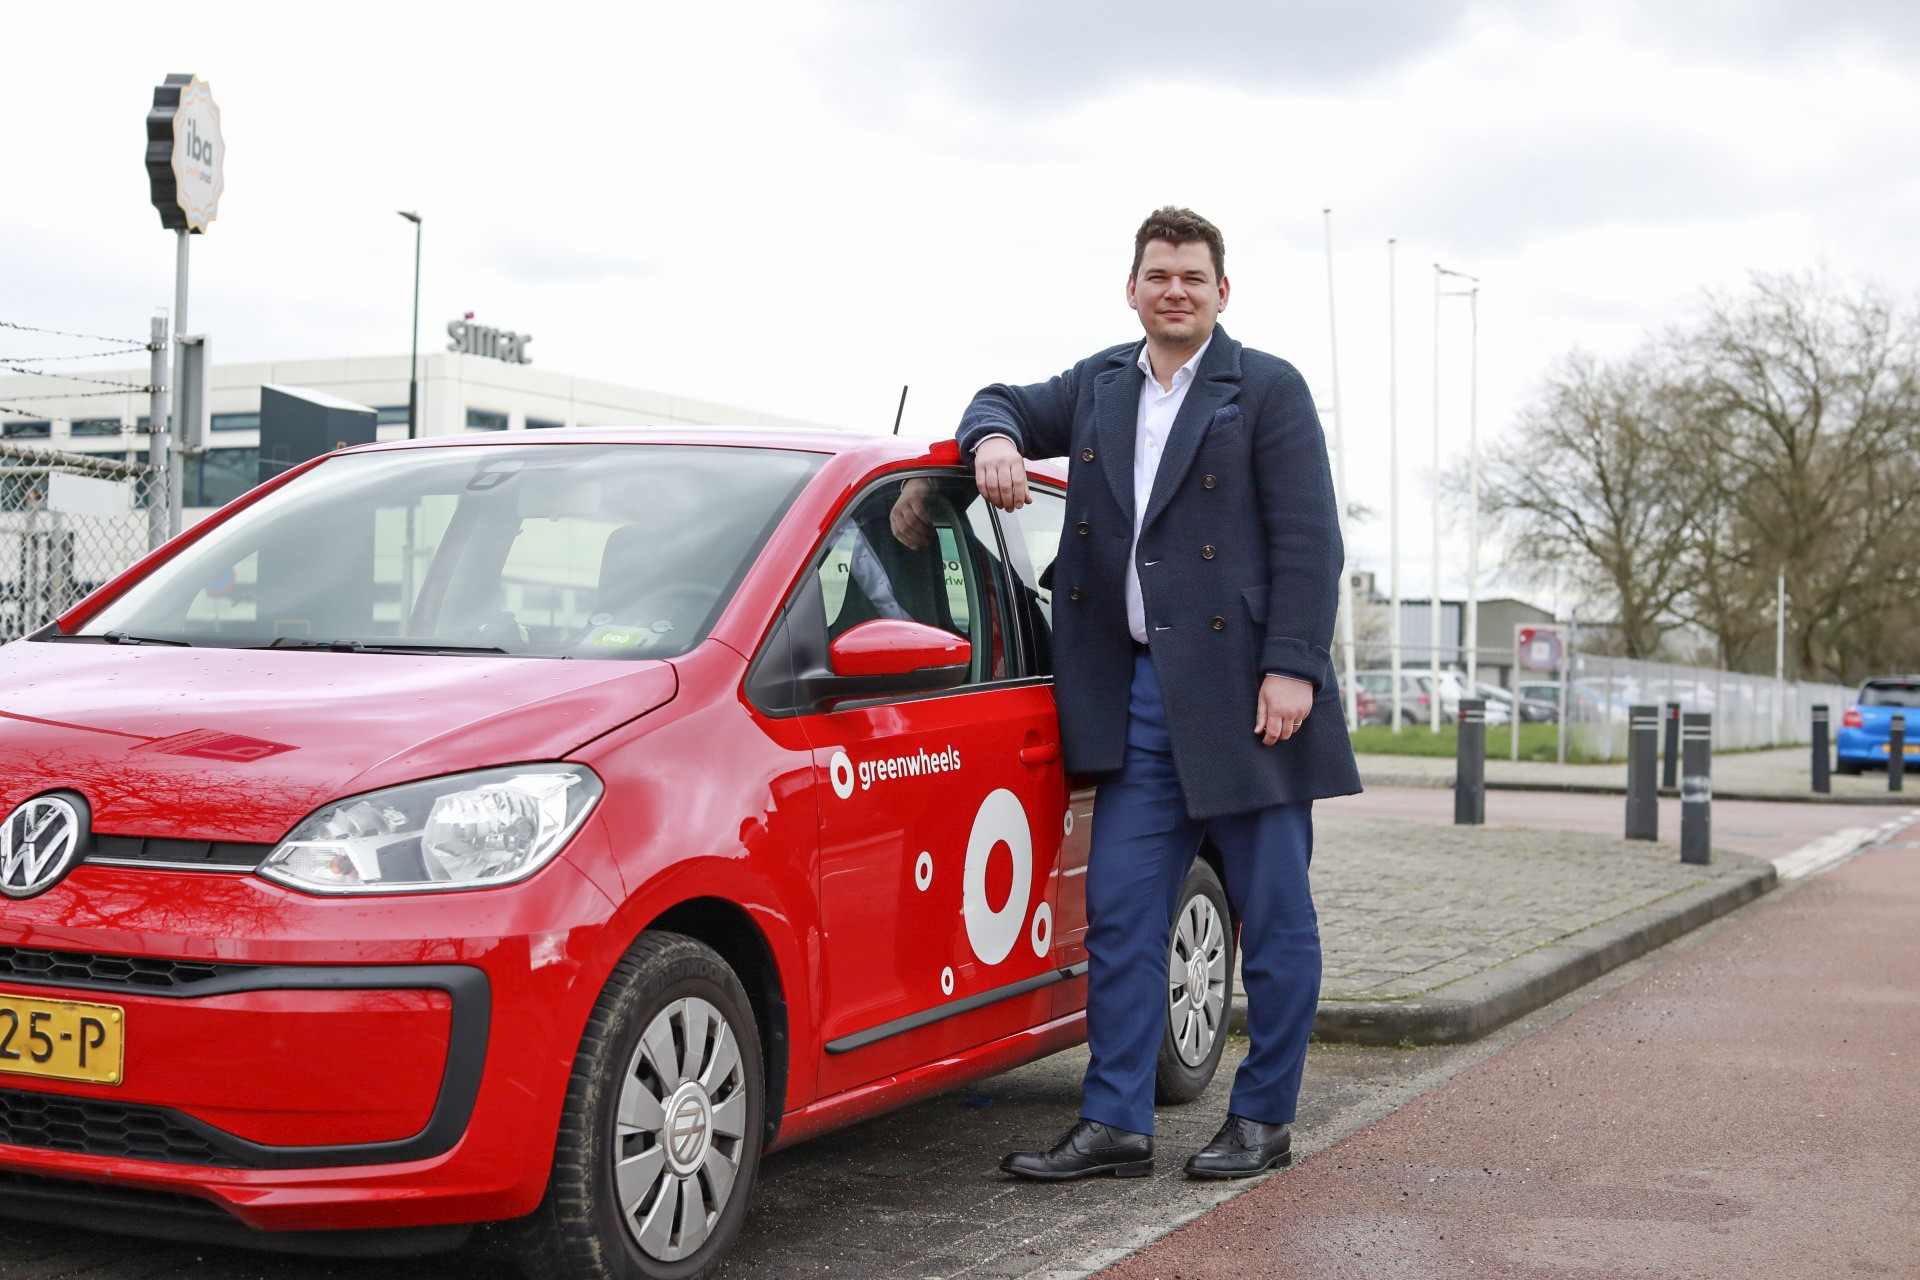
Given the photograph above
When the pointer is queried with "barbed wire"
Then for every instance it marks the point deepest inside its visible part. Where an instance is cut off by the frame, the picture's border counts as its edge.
(91, 355)
(76, 377)
(66, 395)
(62, 333)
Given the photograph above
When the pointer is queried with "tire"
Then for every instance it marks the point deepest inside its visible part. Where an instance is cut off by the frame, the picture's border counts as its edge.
(668, 993)
(1847, 766)
(1199, 996)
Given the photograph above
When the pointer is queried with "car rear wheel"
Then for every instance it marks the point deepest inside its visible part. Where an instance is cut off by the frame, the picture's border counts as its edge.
(661, 1133)
(1199, 989)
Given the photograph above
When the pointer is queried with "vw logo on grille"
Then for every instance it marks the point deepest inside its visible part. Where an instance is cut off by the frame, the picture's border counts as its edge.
(37, 845)
(687, 1132)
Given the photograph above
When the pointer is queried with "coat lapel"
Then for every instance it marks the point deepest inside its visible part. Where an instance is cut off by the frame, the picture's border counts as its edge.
(1116, 409)
(1215, 382)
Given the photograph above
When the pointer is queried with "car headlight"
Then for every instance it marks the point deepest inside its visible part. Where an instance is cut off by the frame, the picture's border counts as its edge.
(465, 831)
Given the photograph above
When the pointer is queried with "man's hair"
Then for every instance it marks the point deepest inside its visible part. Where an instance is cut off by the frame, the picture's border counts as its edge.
(1177, 227)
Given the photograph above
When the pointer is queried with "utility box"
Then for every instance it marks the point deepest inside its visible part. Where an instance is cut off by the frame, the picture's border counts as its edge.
(297, 424)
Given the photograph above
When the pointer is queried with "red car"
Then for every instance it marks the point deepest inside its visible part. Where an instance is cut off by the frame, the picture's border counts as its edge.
(460, 831)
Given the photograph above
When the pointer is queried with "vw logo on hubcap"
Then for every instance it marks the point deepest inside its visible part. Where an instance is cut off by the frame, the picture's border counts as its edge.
(689, 1128)
(1197, 979)
(37, 846)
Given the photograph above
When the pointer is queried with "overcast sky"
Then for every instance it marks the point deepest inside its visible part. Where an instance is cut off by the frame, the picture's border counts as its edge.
(799, 206)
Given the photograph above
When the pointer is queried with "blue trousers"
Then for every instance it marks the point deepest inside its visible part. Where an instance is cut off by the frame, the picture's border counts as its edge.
(1142, 846)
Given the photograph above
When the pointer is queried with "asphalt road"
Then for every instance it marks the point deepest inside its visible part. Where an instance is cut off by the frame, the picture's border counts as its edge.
(1743, 1107)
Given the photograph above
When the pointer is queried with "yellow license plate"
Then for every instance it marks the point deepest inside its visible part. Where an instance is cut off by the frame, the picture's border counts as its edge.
(62, 1039)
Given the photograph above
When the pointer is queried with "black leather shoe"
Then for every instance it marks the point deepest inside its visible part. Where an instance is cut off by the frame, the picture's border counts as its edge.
(1243, 1148)
(1087, 1149)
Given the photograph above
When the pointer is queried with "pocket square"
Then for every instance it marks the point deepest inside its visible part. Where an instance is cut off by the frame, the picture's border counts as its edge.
(1226, 415)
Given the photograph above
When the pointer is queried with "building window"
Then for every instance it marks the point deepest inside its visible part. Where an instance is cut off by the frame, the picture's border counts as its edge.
(142, 423)
(484, 420)
(26, 430)
(543, 424)
(94, 427)
(236, 421)
(391, 416)
(223, 475)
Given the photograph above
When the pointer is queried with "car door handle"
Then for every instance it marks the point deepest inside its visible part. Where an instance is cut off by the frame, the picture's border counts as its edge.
(1040, 753)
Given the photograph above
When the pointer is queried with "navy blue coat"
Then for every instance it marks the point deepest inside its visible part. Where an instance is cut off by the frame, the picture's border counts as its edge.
(1239, 560)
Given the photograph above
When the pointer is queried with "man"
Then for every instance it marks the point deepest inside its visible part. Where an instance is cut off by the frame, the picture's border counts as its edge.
(1194, 598)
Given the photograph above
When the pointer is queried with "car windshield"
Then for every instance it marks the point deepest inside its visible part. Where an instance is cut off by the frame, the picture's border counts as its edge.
(550, 550)
(1890, 694)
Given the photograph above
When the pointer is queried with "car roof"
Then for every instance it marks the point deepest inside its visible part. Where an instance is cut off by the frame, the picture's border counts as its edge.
(867, 452)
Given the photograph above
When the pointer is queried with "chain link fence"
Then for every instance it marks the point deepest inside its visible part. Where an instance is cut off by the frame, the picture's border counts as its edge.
(68, 522)
(1748, 711)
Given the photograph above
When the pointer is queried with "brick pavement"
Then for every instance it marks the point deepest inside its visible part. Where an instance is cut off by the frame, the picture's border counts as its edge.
(1408, 908)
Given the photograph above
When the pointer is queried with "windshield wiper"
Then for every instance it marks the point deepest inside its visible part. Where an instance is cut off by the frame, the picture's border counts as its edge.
(119, 637)
(378, 646)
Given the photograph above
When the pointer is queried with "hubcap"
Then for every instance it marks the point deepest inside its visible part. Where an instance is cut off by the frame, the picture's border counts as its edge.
(1197, 980)
(680, 1129)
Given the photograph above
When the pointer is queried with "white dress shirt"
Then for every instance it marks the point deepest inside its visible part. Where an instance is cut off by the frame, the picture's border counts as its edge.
(1158, 408)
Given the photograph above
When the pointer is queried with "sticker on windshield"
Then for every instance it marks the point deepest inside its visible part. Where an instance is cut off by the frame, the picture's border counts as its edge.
(619, 637)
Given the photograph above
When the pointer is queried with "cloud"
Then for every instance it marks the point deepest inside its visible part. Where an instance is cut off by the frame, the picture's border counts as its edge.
(546, 262)
(1018, 56)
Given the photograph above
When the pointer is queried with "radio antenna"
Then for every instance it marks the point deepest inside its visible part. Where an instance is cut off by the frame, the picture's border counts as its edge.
(901, 410)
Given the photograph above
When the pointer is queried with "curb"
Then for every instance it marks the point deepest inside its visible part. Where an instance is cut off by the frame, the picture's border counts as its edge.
(1488, 1001)
(1435, 783)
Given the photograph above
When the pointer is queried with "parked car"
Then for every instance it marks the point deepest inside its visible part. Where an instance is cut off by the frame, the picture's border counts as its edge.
(1866, 727)
(1379, 684)
(1539, 701)
(466, 830)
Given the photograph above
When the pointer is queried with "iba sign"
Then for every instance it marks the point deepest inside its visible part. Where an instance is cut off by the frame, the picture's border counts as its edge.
(186, 155)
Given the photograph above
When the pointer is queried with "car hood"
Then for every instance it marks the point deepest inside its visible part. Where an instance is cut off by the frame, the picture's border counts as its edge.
(239, 744)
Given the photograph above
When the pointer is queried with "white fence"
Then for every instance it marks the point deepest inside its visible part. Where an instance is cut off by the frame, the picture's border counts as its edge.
(1748, 711)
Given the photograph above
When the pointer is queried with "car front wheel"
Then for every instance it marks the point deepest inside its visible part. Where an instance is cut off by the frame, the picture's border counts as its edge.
(660, 1137)
(1199, 989)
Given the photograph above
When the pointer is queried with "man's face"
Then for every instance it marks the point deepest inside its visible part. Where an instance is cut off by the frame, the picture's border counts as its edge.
(1176, 293)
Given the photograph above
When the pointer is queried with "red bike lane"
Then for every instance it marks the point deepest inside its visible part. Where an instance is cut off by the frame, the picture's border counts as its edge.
(1749, 1107)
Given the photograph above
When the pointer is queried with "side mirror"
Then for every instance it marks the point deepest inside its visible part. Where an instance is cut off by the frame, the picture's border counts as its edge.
(888, 647)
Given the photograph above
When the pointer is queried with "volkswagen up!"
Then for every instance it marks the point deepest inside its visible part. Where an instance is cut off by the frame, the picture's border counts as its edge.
(469, 831)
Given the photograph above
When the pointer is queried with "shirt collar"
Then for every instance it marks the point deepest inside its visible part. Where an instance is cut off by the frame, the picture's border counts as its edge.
(1181, 376)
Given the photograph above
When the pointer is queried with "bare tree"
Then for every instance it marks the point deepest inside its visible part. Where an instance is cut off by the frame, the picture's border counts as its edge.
(1588, 484)
(1806, 399)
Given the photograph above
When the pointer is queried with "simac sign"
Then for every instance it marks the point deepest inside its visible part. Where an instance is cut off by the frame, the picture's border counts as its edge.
(484, 340)
(186, 154)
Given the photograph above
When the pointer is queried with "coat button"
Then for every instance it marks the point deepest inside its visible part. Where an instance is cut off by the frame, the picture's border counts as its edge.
(1073, 593)
(1219, 624)
(1206, 552)
(1084, 528)
(1086, 455)
(1209, 482)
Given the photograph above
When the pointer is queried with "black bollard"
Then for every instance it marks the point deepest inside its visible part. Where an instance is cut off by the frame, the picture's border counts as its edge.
(1897, 752)
(1670, 767)
(1821, 764)
(1643, 768)
(1470, 764)
(1696, 787)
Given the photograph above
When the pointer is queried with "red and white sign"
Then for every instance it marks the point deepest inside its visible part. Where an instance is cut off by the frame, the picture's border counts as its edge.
(1538, 648)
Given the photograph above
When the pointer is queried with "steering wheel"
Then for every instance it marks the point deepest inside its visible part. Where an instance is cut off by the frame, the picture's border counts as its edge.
(681, 605)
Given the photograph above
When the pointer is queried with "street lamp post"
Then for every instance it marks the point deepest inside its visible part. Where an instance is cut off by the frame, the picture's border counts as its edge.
(413, 364)
(1469, 625)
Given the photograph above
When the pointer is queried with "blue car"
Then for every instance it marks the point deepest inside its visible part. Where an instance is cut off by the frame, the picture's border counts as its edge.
(1867, 724)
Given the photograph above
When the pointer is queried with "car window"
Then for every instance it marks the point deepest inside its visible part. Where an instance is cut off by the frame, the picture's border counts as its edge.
(569, 550)
(1034, 543)
(1889, 694)
(945, 573)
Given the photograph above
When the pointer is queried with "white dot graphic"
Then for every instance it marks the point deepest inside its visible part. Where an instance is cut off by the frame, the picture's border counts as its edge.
(841, 771)
(923, 872)
(1069, 822)
(946, 980)
(1001, 820)
(1042, 936)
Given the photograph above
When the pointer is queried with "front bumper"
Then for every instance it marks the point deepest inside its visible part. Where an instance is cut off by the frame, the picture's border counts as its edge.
(331, 1065)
